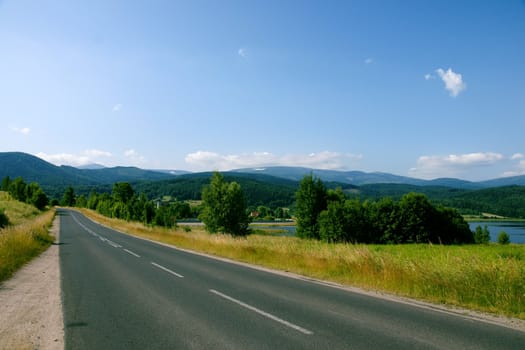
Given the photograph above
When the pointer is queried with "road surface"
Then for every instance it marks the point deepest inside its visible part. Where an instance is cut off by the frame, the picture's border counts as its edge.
(120, 292)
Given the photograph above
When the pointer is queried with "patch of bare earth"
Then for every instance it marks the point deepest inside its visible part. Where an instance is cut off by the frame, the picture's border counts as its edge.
(31, 305)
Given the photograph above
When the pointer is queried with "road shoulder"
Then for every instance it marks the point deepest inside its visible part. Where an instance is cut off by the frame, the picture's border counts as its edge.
(31, 305)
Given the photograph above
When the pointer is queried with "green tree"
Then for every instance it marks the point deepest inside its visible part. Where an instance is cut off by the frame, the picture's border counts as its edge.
(452, 227)
(18, 189)
(81, 201)
(39, 199)
(120, 210)
(503, 238)
(69, 198)
(332, 223)
(224, 207)
(6, 181)
(482, 235)
(417, 218)
(165, 216)
(148, 212)
(345, 220)
(383, 218)
(138, 209)
(281, 213)
(123, 192)
(310, 201)
(104, 205)
(264, 212)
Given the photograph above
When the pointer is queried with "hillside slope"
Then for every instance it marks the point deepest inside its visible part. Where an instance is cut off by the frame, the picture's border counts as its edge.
(50, 177)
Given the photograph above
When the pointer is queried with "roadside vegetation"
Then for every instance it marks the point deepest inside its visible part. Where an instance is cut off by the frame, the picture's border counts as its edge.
(25, 236)
(224, 207)
(329, 216)
(27, 193)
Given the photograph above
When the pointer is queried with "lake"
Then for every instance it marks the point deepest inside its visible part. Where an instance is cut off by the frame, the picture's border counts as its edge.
(287, 230)
(515, 229)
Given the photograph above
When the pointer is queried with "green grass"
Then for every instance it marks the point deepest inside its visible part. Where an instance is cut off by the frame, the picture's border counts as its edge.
(16, 211)
(488, 278)
(26, 237)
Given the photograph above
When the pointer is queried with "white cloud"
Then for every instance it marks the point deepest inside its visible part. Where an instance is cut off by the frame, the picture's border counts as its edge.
(134, 157)
(130, 153)
(205, 160)
(242, 52)
(429, 77)
(453, 81)
(64, 159)
(117, 107)
(23, 131)
(84, 158)
(430, 167)
(369, 61)
(519, 167)
(95, 153)
(520, 170)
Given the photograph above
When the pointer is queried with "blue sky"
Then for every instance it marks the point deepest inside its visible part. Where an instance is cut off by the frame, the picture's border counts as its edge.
(420, 88)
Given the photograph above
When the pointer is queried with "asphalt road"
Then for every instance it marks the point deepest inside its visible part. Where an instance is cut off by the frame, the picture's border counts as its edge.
(121, 292)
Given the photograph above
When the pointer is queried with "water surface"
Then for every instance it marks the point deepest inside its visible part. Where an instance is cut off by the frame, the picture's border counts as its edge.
(515, 229)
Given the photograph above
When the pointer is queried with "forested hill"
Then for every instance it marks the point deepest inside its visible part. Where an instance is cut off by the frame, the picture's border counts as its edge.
(259, 189)
(360, 178)
(505, 201)
(278, 192)
(54, 178)
(264, 189)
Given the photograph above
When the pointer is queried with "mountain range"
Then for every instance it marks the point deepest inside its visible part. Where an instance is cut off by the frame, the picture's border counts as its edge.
(271, 186)
(359, 178)
(32, 168)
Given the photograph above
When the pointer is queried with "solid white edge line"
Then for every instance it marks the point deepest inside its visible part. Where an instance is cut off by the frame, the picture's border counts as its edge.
(263, 313)
(167, 270)
(130, 252)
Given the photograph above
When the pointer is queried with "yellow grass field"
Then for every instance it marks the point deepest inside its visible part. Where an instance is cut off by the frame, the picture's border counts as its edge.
(26, 236)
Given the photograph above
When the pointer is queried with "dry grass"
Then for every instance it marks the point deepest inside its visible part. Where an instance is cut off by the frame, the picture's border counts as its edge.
(481, 277)
(26, 237)
(16, 211)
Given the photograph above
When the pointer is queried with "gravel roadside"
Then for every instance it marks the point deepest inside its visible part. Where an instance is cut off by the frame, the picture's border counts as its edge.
(31, 305)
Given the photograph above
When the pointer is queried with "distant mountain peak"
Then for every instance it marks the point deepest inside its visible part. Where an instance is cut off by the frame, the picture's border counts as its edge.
(92, 166)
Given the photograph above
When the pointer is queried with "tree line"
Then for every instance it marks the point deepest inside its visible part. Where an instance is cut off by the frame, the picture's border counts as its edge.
(124, 203)
(321, 213)
(223, 210)
(326, 214)
(27, 193)
(329, 216)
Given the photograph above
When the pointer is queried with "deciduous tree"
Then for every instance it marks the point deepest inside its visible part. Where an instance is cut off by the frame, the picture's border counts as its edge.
(311, 200)
(224, 207)
(69, 198)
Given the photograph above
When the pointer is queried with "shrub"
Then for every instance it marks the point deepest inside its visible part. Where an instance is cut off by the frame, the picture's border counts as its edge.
(482, 235)
(503, 238)
(4, 220)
